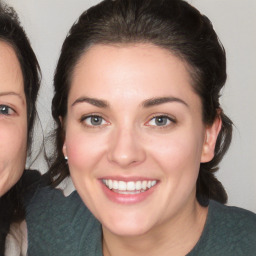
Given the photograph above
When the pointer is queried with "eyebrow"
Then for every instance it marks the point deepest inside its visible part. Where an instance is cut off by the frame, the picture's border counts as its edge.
(146, 104)
(10, 94)
(95, 102)
(161, 100)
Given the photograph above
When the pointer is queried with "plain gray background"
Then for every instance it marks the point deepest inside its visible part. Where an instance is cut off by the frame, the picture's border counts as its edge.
(48, 21)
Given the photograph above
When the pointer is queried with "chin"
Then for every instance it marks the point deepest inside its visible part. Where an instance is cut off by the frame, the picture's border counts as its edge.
(127, 231)
(127, 227)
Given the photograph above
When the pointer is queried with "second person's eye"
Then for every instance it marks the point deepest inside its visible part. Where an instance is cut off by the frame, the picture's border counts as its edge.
(6, 110)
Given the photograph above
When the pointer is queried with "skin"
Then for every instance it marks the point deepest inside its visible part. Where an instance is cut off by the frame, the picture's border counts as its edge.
(13, 119)
(129, 144)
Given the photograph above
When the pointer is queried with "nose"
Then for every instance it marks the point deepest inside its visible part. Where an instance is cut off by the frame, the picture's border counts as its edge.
(125, 148)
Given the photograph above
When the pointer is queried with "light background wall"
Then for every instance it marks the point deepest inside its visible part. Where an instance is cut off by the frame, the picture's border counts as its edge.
(48, 21)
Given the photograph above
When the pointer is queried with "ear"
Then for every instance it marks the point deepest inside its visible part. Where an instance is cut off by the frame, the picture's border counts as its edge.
(64, 149)
(211, 135)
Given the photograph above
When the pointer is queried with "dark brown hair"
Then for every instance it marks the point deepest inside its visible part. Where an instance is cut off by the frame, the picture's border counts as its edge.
(171, 24)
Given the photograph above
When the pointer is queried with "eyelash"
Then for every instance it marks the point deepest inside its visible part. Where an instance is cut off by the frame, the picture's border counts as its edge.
(169, 120)
(4, 108)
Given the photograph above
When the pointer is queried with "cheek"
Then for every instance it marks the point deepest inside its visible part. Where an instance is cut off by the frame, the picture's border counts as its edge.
(13, 142)
(178, 154)
(179, 160)
(84, 150)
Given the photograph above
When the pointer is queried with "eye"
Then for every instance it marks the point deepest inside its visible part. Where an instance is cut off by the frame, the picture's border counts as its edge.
(5, 110)
(161, 120)
(93, 120)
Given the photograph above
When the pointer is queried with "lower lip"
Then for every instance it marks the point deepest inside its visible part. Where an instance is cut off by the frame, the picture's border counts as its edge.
(127, 198)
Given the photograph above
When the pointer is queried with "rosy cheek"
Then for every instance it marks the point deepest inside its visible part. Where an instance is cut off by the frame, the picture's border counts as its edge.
(83, 150)
(75, 151)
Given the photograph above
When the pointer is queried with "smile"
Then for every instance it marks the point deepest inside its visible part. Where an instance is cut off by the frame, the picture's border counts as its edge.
(130, 187)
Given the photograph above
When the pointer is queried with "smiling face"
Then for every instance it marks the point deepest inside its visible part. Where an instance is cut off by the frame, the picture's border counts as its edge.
(135, 136)
(13, 119)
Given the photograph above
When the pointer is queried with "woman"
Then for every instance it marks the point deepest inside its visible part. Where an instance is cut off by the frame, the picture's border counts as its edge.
(19, 85)
(141, 132)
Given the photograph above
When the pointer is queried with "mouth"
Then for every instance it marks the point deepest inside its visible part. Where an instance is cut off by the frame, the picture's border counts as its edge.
(130, 187)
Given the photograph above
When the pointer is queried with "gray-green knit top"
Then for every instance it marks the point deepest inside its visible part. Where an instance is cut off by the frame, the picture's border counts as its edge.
(63, 226)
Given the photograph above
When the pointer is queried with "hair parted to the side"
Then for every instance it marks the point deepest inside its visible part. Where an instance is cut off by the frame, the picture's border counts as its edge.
(171, 24)
(11, 32)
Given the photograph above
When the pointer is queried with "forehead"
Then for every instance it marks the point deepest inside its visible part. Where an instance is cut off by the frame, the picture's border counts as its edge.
(142, 67)
(134, 52)
(128, 56)
(11, 78)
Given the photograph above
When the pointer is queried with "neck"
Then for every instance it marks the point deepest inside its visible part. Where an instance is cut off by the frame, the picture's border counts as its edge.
(176, 236)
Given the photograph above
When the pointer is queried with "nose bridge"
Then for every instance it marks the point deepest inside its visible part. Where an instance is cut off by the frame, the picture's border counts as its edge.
(125, 147)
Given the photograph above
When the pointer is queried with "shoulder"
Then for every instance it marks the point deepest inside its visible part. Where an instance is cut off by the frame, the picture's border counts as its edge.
(46, 199)
(59, 224)
(228, 231)
(233, 218)
(52, 205)
(234, 228)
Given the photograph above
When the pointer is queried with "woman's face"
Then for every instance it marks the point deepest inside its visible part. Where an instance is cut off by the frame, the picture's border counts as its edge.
(13, 119)
(135, 136)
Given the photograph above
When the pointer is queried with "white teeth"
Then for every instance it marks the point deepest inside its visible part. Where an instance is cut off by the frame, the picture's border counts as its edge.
(110, 184)
(138, 185)
(130, 187)
(144, 184)
(115, 184)
(122, 185)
